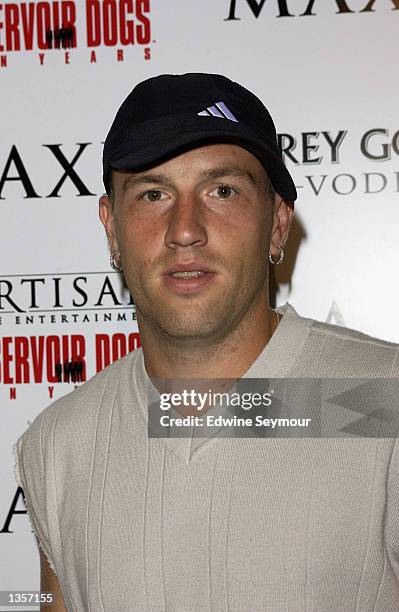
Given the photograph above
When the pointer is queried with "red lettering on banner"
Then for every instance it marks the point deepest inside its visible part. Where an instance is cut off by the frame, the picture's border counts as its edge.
(67, 57)
(103, 358)
(93, 24)
(120, 55)
(110, 25)
(110, 22)
(43, 23)
(3, 61)
(147, 53)
(127, 27)
(53, 357)
(7, 358)
(21, 359)
(1, 27)
(56, 16)
(93, 57)
(134, 341)
(13, 393)
(118, 346)
(41, 58)
(12, 31)
(28, 19)
(68, 12)
(78, 352)
(143, 30)
(34, 357)
(37, 350)
(50, 392)
(112, 348)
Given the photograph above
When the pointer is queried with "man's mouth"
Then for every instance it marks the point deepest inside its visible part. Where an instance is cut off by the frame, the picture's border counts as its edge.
(188, 274)
(188, 278)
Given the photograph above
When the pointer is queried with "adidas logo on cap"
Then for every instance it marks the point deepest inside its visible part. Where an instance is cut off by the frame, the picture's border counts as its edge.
(219, 109)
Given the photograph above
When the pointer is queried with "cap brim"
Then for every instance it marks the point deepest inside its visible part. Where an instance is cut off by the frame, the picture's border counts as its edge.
(143, 156)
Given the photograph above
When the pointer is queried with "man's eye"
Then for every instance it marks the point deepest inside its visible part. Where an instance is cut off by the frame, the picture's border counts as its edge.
(153, 195)
(224, 192)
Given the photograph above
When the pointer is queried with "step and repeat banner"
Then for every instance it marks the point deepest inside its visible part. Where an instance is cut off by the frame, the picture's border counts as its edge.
(326, 69)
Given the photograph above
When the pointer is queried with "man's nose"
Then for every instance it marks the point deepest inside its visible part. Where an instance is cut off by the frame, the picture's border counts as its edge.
(186, 223)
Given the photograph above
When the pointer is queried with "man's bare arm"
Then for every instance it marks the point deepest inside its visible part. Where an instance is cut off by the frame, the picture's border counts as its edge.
(49, 582)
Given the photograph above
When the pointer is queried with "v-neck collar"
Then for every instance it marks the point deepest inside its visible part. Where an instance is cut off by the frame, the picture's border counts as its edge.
(275, 361)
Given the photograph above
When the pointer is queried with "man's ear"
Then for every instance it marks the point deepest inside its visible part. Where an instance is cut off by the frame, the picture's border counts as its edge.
(282, 217)
(106, 214)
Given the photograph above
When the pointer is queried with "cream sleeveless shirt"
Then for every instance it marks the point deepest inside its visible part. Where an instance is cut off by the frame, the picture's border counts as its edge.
(131, 523)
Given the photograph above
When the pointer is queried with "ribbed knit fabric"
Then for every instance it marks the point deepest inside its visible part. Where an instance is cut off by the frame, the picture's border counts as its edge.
(131, 523)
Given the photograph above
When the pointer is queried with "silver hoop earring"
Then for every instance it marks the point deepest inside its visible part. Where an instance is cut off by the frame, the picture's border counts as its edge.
(280, 259)
(112, 261)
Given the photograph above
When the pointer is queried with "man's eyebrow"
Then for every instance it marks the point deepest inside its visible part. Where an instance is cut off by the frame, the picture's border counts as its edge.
(134, 180)
(230, 171)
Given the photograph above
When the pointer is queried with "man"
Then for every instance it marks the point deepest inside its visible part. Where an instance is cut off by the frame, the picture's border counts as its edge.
(198, 203)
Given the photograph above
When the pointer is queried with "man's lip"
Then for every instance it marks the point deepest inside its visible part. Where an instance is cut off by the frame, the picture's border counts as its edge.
(188, 267)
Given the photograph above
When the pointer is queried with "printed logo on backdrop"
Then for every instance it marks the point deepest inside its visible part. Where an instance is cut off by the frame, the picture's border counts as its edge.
(84, 304)
(58, 28)
(379, 145)
(305, 8)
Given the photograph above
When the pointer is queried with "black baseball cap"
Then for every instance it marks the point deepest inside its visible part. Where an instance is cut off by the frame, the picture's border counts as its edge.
(168, 114)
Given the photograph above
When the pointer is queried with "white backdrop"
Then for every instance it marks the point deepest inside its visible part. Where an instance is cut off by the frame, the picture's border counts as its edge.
(326, 77)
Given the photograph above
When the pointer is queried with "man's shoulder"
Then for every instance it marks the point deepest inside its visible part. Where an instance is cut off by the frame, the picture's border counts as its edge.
(350, 352)
(79, 408)
(351, 336)
(326, 350)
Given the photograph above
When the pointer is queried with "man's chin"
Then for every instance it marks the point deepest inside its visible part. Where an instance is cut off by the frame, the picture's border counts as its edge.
(192, 332)
(188, 319)
(186, 329)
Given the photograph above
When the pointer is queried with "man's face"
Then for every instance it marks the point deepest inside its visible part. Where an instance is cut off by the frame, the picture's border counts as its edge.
(193, 234)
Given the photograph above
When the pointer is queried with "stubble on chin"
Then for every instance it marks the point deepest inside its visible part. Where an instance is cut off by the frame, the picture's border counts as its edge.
(190, 321)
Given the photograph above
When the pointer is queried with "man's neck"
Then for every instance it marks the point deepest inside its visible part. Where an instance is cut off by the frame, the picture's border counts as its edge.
(229, 357)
